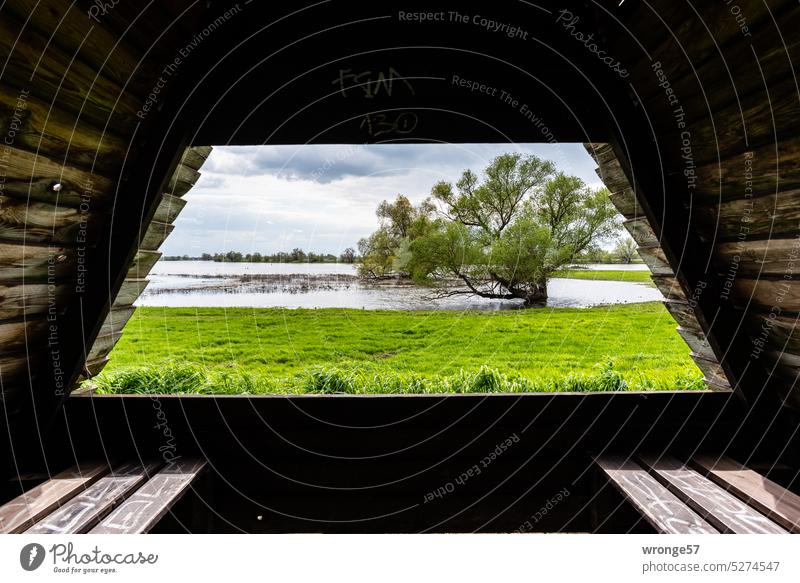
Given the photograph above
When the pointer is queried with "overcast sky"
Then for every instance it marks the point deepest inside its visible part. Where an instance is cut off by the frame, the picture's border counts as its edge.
(323, 198)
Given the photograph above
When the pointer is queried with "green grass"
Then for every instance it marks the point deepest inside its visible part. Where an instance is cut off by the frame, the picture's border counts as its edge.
(606, 275)
(217, 350)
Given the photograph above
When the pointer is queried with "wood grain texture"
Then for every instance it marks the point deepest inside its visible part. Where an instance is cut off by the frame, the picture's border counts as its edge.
(139, 513)
(717, 506)
(769, 215)
(761, 493)
(87, 508)
(35, 263)
(656, 260)
(76, 86)
(38, 502)
(683, 314)
(660, 507)
(773, 256)
(32, 177)
(641, 231)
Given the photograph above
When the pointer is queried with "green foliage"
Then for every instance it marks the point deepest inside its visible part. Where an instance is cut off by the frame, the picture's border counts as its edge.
(262, 351)
(642, 276)
(502, 235)
(365, 379)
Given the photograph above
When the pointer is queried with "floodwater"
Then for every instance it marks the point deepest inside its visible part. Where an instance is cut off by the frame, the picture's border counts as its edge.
(330, 285)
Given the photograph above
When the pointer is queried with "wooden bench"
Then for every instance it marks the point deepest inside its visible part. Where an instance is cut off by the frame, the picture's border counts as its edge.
(706, 495)
(129, 499)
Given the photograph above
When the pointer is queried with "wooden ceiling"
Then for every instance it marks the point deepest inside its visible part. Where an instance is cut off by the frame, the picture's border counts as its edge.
(701, 115)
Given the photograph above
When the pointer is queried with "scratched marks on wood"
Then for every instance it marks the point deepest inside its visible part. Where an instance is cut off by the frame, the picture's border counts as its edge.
(86, 509)
(27, 508)
(139, 513)
(717, 506)
(659, 506)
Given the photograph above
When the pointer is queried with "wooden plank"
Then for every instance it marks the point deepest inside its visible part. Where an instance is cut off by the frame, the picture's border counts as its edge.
(41, 500)
(35, 263)
(760, 170)
(17, 335)
(693, 40)
(74, 31)
(683, 313)
(155, 235)
(26, 299)
(766, 294)
(697, 341)
(195, 156)
(58, 77)
(720, 508)
(774, 256)
(143, 263)
(656, 260)
(131, 289)
(711, 368)
(660, 507)
(761, 493)
(57, 134)
(668, 285)
(641, 231)
(182, 180)
(103, 345)
(34, 177)
(613, 176)
(139, 513)
(735, 73)
(86, 509)
(42, 222)
(116, 319)
(751, 122)
(626, 203)
(601, 153)
(169, 208)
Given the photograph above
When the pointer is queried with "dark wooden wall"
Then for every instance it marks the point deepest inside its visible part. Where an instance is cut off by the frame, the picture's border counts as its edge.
(91, 150)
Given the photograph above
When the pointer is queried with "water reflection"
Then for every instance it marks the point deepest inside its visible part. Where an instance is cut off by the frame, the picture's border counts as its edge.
(267, 285)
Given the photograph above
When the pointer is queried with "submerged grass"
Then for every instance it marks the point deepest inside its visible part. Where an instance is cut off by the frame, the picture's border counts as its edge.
(277, 351)
(631, 276)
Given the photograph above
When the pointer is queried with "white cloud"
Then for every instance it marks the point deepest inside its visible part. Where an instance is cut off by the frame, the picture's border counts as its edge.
(323, 198)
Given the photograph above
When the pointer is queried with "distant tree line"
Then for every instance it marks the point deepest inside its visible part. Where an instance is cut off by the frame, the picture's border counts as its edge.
(296, 255)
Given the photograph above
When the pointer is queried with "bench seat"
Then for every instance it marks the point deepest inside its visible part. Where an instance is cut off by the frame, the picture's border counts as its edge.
(130, 498)
(706, 495)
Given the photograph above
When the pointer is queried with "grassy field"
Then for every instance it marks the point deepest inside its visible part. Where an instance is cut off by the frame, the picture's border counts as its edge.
(607, 275)
(219, 350)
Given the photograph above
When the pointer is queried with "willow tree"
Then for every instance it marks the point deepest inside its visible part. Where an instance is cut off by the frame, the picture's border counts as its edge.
(504, 235)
